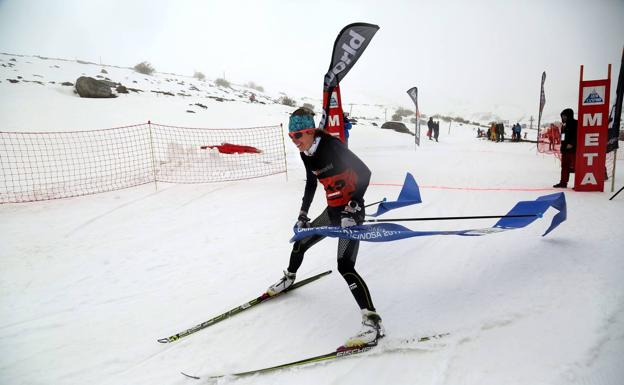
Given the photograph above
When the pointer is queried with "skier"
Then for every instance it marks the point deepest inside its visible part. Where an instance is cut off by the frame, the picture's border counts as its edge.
(347, 127)
(430, 126)
(345, 178)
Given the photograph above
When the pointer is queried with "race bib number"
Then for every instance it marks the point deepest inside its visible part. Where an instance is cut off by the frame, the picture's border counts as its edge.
(339, 188)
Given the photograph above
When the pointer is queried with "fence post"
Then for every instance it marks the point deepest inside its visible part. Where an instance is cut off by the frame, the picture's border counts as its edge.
(284, 149)
(151, 142)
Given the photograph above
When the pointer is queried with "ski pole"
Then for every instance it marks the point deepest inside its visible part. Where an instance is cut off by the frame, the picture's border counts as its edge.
(614, 195)
(372, 204)
(452, 218)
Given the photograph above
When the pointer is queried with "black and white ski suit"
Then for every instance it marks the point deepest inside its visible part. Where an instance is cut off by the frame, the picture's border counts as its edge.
(345, 177)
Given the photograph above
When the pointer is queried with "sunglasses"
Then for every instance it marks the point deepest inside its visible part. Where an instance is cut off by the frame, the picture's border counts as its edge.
(299, 134)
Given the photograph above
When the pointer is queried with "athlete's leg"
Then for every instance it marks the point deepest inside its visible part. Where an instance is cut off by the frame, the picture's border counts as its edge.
(347, 255)
(301, 246)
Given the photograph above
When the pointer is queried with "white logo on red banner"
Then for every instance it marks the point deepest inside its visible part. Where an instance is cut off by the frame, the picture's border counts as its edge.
(593, 95)
(333, 101)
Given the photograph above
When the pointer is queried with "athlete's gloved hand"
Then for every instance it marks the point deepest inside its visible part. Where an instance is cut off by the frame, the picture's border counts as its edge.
(303, 222)
(351, 214)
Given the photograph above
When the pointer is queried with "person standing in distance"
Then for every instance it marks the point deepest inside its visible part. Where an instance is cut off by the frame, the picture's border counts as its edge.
(347, 127)
(568, 146)
(430, 126)
(345, 178)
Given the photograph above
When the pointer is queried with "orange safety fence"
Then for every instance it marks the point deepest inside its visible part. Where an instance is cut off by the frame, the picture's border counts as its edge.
(549, 141)
(38, 166)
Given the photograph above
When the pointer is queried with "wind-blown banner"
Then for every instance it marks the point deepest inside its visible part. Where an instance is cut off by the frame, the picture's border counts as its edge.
(541, 106)
(614, 127)
(409, 195)
(542, 99)
(348, 47)
(384, 232)
(413, 93)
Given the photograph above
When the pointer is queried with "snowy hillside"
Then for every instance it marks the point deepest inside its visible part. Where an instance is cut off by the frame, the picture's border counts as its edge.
(88, 285)
(31, 89)
(157, 97)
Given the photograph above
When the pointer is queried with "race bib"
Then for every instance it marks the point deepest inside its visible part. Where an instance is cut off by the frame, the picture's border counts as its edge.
(339, 188)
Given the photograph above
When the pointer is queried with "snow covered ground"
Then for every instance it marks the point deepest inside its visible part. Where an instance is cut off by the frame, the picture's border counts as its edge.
(88, 284)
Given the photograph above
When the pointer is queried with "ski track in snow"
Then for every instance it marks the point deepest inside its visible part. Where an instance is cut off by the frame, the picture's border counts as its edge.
(100, 216)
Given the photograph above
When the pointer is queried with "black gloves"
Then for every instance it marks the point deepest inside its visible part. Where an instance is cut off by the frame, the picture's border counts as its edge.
(351, 214)
(303, 221)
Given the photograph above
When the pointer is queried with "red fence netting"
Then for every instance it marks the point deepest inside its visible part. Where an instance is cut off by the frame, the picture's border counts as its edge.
(549, 141)
(52, 165)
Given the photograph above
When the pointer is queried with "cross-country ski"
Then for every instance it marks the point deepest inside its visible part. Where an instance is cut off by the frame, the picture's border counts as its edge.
(341, 352)
(256, 301)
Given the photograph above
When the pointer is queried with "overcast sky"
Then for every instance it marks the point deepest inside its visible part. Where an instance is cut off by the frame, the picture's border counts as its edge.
(463, 56)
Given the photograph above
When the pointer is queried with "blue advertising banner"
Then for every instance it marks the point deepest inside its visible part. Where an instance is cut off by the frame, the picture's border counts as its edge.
(409, 195)
(385, 232)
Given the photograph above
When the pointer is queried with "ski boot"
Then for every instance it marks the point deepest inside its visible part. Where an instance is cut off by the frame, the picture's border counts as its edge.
(372, 330)
(284, 283)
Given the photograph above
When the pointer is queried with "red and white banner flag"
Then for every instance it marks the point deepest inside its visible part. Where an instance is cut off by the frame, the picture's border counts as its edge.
(591, 142)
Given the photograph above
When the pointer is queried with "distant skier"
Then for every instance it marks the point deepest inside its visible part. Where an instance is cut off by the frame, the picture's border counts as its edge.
(430, 126)
(345, 178)
(500, 129)
(347, 127)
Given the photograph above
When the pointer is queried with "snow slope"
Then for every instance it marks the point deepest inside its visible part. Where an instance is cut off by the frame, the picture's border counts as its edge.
(88, 284)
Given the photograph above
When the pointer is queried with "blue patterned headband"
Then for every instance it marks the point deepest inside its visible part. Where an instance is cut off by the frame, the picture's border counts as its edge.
(300, 122)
